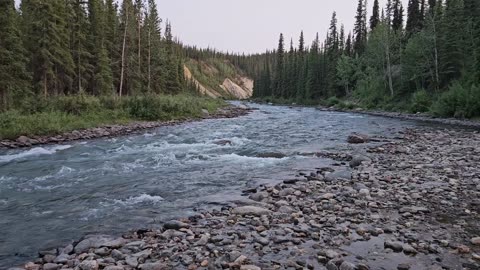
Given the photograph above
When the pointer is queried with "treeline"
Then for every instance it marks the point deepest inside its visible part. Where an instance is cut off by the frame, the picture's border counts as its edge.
(428, 60)
(51, 48)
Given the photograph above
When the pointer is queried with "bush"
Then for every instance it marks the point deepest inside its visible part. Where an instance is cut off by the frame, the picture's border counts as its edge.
(421, 102)
(458, 102)
(332, 101)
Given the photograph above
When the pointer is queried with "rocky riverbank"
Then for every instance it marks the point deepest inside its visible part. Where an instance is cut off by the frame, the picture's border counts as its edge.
(409, 202)
(117, 130)
(414, 117)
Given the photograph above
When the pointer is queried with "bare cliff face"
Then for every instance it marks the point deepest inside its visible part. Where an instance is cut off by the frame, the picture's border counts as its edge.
(218, 79)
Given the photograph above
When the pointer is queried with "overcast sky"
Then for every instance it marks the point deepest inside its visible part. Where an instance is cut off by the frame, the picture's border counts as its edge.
(254, 25)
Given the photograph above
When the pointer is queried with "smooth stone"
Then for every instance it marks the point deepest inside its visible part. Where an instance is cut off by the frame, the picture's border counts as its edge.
(152, 266)
(475, 241)
(51, 266)
(251, 210)
(357, 161)
(249, 267)
(395, 246)
(175, 225)
(115, 267)
(347, 266)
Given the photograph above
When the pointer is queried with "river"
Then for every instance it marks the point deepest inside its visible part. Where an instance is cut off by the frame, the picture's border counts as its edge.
(52, 195)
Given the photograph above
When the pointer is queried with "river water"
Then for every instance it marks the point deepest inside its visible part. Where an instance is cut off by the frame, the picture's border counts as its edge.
(52, 195)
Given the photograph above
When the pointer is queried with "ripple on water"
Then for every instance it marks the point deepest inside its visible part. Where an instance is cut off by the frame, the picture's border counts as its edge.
(140, 199)
(37, 151)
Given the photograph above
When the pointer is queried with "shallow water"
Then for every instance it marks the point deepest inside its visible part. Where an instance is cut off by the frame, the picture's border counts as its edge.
(51, 195)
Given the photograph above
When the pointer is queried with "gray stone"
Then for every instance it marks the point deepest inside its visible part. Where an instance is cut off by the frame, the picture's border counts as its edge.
(175, 225)
(475, 241)
(95, 241)
(116, 254)
(114, 267)
(357, 138)
(395, 246)
(88, 265)
(357, 161)
(51, 266)
(286, 191)
(250, 267)
(251, 210)
(62, 258)
(132, 261)
(347, 266)
(153, 266)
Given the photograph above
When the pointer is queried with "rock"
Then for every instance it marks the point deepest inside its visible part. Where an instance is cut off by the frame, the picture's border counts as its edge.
(285, 209)
(223, 142)
(357, 161)
(32, 266)
(407, 249)
(395, 246)
(403, 266)
(259, 196)
(23, 140)
(286, 191)
(118, 255)
(364, 192)
(205, 113)
(463, 249)
(153, 266)
(95, 241)
(475, 241)
(271, 155)
(347, 266)
(250, 267)
(132, 261)
(175, 225)
(356, 138)
(49, 258)
(331, 265)
(203, 240)
(62, 258)
(251, 210)
(51, 266)
(88, 265)
(117, 267)
(338, 176)
(204, 263)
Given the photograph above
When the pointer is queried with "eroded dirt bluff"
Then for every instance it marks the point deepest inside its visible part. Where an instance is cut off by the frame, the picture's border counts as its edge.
(219, 79)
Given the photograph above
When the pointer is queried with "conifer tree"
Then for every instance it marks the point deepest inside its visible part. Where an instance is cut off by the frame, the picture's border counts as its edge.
(360, 28)
(279, 82)
(375, 18)
(14, 79)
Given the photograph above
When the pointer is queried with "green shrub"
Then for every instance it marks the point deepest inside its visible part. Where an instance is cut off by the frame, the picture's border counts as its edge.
(458, 102)
(332, 101)
(421, 102)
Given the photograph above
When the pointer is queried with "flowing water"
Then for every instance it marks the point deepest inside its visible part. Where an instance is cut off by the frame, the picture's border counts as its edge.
(51, 195)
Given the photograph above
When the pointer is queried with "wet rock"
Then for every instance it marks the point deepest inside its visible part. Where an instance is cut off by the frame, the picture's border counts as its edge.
(91, 242)
(251, 210)
(356, 138)
(223, 142)
(259, 196)
(32, 266)
(271, 155)
(286, 191)
(408, 249)
(175, 225)
(62, 258)
(403, 266)
(338, 176)
(132, 261)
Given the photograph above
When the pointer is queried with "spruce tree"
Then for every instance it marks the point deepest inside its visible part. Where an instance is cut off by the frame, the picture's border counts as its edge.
(397, 21)
(14, 78)
(279, 82)
(360, 28)
(375, 18)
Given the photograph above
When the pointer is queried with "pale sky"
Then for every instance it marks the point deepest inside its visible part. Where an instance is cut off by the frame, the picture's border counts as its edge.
(252, 26)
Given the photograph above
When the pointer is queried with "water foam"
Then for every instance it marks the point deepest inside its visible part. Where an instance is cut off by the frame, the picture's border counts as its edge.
(37, 151)
(141, 199)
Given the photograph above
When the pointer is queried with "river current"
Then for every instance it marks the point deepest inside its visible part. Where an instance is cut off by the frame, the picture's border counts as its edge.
(52, 195)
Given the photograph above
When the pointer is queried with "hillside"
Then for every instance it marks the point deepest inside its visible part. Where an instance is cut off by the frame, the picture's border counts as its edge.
(217, 78)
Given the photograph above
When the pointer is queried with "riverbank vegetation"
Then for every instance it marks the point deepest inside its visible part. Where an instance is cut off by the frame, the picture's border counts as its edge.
(68, 64)
(427, 61)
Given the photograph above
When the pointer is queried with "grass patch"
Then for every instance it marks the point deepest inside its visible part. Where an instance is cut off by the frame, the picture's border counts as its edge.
(63, 114)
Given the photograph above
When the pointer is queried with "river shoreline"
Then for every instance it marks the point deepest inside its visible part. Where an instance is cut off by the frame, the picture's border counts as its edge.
(411, 202)
(465, 123)
(108, 131)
